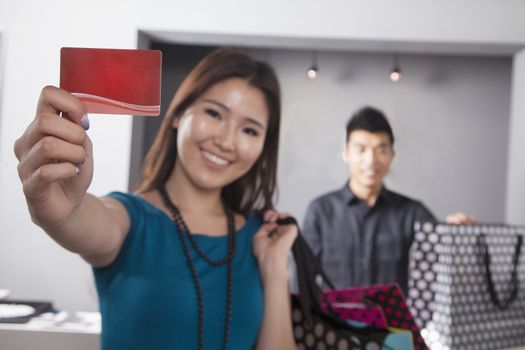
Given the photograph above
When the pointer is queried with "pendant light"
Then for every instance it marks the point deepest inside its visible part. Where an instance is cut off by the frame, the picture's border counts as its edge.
(313, 71)
(395, 74)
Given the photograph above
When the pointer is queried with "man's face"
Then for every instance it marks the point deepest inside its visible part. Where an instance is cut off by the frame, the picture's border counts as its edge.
(368, 156)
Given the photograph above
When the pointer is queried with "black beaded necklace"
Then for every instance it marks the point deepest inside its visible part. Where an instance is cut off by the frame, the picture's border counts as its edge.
(184, 232)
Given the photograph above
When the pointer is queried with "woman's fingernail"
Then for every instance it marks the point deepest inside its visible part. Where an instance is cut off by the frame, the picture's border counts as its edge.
(85, 122)
(77, 170)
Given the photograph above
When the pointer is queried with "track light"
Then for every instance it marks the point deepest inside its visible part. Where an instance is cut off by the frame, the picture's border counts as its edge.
(395, 74)
(313, 71)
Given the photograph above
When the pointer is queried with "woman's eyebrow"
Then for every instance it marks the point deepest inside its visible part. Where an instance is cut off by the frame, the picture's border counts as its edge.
(217, 103)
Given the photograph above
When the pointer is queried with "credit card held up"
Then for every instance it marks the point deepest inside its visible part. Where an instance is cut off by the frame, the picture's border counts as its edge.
(113, 81)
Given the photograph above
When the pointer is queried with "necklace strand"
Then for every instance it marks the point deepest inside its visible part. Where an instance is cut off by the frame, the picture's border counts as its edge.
(184, 232)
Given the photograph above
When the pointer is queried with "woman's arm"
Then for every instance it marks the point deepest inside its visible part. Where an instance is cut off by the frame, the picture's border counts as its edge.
(95, 230)
(276, 330)
(271, 247)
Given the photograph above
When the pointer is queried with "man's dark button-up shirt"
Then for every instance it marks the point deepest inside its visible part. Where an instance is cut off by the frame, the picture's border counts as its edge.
(361, 245)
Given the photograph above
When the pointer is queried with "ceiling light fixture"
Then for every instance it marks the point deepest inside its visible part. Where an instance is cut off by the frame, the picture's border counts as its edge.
(313, 71)
(395, 74)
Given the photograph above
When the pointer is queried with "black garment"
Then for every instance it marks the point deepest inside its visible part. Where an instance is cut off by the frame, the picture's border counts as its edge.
(361, 245)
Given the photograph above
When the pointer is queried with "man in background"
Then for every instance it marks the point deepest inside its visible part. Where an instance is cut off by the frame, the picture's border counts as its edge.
(362, 233)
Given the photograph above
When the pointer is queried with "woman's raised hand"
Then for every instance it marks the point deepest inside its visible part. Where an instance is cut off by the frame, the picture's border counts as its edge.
(55, 157)
(272, 244)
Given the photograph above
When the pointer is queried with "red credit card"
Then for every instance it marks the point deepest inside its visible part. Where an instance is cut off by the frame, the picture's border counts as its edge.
(111, 81)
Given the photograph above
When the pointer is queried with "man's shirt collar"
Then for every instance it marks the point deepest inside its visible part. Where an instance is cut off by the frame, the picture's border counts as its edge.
(350, 198)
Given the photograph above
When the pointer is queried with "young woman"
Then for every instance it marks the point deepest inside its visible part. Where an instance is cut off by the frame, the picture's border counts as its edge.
(194, 259)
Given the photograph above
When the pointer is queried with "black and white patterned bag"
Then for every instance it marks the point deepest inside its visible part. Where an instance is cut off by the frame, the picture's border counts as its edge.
(467, 285)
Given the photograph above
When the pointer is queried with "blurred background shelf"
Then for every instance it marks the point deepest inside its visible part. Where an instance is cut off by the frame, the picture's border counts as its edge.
(53, 331)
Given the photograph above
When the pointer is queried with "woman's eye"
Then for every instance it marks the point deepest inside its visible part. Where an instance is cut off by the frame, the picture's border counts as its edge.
(213, 113)
(250, 131)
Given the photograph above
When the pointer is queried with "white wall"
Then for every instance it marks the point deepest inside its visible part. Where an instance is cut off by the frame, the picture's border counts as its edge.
(33, 32)
(2, 65)
(32, 265)
(516, 169)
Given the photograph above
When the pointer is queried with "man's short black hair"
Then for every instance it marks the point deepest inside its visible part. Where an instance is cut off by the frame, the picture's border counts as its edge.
(371, 120)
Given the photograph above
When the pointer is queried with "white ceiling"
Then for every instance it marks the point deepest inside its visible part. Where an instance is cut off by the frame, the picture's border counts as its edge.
(335, 44)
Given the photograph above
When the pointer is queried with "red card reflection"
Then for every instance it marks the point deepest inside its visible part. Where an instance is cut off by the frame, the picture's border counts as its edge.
(112, 81)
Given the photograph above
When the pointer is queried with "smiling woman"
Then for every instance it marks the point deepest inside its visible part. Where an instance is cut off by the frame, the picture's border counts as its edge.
(191, 249)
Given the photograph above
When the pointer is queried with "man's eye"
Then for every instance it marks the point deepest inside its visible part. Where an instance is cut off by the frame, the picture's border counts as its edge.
(383, 149)
(213, 113)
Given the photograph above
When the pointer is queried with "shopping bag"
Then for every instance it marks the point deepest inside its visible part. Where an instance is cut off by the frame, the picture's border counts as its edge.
(391, 300)
(315, 328)
(363, 311)
(467, 285)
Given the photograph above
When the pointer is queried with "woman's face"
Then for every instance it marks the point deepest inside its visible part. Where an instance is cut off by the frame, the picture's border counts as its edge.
(221, 135)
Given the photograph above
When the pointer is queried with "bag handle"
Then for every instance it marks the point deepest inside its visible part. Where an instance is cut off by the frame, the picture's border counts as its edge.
(502, 305)
(308, 267)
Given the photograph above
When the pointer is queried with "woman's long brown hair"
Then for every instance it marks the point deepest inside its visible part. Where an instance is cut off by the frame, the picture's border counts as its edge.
(255, 190)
